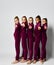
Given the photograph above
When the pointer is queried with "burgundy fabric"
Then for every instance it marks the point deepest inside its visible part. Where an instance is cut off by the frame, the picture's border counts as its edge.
(30, 42)
(37, 41)
(17, 40)
(24, 37)
(44, 40)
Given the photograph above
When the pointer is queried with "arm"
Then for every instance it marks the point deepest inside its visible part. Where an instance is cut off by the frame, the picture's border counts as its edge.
(30, 27)
(45, 26)
(39, 26)
(23, 25)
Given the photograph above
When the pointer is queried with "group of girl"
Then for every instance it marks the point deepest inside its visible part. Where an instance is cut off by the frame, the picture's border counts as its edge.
(31, 35)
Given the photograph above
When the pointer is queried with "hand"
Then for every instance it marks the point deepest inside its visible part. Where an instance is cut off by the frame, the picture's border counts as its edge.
(30, 27)
(39, 28)
(45, 27)
(23, 25)
(15, 26)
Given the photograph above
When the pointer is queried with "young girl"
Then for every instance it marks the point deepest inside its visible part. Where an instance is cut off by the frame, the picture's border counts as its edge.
(37, 32)
(24, 27)
(44, 40)
(30, 38)
(17, 38)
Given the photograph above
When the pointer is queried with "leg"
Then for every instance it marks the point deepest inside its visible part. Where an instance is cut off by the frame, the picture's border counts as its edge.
(39, 53)
(30, 50)
(36, 49)
(43, 50)
(17, 48)
(27, 41)
(24, 46)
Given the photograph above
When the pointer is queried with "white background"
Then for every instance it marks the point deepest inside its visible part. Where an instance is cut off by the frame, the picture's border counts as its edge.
(9, 9)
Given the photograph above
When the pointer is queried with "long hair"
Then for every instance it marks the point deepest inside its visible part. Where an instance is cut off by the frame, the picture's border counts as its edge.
(26, 23)
(16, 17)
(46, 21)
(32, 19)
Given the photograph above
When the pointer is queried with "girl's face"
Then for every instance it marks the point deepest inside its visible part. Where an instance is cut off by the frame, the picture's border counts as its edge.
(16, 21)
(37, 20)
(23, 19)
(30, 20)
(43, 21)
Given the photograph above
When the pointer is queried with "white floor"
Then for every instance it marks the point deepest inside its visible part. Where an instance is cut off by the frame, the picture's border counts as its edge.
(6, 59)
